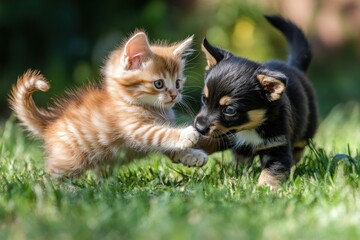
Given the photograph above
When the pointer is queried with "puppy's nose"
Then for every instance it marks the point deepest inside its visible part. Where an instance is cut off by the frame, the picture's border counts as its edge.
(201, 126)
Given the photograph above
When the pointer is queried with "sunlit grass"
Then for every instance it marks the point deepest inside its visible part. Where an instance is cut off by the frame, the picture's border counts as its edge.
(340, 129)
(155, 199)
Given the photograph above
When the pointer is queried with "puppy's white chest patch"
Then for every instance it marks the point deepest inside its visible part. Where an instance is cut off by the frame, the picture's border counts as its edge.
(248, 137)
(253, 139)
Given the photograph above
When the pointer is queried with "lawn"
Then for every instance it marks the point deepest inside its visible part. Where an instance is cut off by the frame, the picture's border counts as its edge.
(156, 199)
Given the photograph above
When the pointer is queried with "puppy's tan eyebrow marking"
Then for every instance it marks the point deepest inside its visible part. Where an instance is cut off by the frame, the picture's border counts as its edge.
(206, 91)
(226, 100)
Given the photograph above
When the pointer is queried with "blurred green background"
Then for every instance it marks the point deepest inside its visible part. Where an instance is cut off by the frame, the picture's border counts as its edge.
(69, 40)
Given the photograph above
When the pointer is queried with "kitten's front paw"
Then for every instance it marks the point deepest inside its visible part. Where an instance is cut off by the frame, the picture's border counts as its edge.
(188, 137)
(193, 157)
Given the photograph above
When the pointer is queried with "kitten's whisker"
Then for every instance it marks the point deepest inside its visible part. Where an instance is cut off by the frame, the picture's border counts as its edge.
(196, 75)
(184, 109)
(189, 109)
(190, 92)
(162, 110)
(194, 86)
(188, 97)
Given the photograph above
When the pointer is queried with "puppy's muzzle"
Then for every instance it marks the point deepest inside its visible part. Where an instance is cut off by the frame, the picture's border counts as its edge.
(202, 125)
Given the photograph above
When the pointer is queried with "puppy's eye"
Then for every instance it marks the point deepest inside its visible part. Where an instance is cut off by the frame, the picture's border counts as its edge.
(177, 84)
(159, 84)
(203, 99)
(229, 111)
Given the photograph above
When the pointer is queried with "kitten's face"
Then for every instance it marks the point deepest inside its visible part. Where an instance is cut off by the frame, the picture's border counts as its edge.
(164, 80)
(148, 74)
(165, 92)
(236, 94)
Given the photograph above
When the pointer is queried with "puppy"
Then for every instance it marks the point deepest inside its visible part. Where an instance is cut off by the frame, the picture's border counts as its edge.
(265, 109)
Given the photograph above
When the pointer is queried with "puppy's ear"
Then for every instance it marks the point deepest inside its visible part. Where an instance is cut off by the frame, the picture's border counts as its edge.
(213, 54)
(272, 82)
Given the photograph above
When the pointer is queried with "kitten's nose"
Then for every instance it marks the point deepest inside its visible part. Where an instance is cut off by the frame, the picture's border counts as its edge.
(201, 125)
(173, 96)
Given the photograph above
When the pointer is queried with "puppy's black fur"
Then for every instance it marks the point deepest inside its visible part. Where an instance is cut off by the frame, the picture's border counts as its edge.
(267, 109)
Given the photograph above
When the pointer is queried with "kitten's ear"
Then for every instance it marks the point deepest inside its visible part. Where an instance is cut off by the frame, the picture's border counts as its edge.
(273, 83)
(213, 54)
(183, 49)
(137, 51)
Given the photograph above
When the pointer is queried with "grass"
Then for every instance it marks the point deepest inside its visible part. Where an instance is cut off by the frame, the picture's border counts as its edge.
(155, 199)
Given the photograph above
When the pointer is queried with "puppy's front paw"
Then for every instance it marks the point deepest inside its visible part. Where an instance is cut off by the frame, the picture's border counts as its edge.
(270, 180)
(188, 137)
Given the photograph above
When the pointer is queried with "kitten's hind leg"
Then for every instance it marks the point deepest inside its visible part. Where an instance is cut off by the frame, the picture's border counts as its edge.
(189, 157)
(58, 167)
(62, 162)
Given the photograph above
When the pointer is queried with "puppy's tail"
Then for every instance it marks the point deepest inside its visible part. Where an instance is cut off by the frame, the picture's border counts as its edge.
(22, 103)
(300, 51)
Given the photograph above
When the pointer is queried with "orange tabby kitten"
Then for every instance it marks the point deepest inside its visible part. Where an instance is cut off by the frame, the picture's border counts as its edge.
(131, 110)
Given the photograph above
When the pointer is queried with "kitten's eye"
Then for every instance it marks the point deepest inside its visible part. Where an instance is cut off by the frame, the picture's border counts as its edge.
(177, 84)
(203, 99)
(229, 111)
(159, 84)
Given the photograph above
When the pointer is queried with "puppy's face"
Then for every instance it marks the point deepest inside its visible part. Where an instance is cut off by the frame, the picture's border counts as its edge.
(236, 94)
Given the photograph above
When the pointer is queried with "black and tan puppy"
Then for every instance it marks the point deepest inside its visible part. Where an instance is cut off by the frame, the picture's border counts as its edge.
(264, 109)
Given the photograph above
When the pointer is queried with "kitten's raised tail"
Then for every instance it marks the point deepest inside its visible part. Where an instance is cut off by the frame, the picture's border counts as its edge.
(300, 51)
(22, 103)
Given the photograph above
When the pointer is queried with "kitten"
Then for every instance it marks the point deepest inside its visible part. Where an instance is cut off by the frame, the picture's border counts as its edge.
(265, 109)
(130, 111)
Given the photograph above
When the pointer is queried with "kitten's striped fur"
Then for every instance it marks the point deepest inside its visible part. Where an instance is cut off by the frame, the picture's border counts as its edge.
(127, 111)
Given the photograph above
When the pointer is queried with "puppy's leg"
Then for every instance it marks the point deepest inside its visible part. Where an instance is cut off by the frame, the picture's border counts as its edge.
(242, 155)
(276, 164)
(298, 153)
(298, 150)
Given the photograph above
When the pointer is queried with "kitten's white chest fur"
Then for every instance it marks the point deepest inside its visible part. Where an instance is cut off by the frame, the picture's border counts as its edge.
(253, 139)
